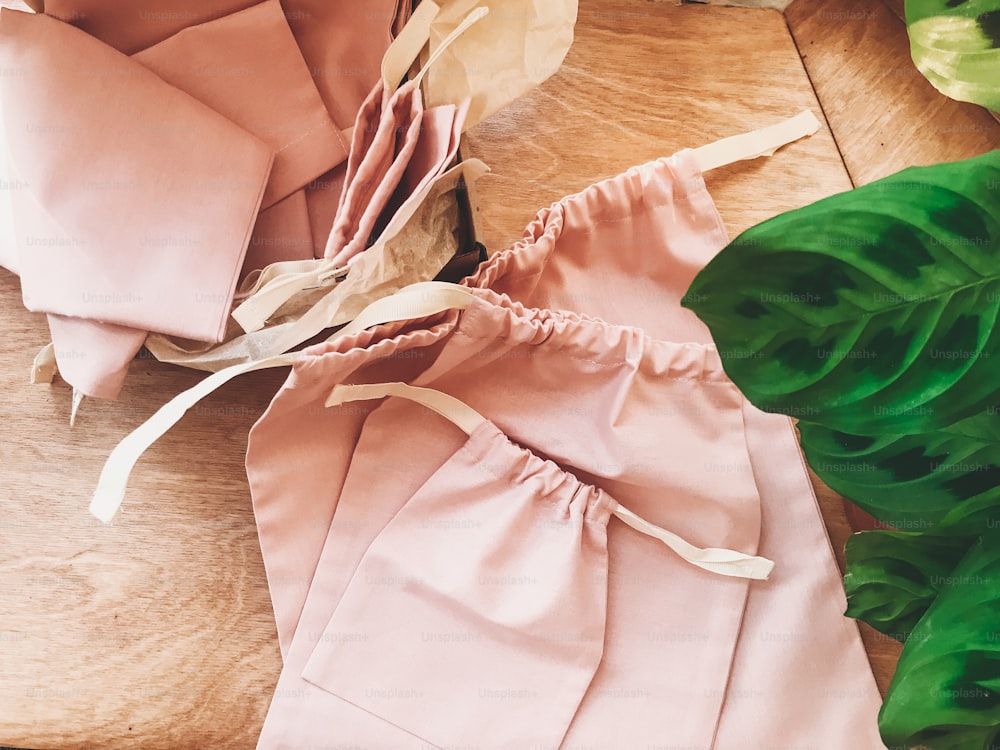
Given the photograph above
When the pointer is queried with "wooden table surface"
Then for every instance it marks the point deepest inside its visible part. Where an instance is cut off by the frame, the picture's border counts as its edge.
(157, 631)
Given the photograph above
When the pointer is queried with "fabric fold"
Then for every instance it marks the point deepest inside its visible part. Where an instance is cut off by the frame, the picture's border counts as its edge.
(385, 137)
(247, 67)
(111, 181)
(94, 357)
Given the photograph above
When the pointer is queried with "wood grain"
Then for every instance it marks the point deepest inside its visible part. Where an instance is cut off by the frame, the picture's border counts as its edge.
(644, 80)
(885, 114)
(157, 631)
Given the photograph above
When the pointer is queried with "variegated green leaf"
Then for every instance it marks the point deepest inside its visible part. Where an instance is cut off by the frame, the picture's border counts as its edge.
(946, 691)
(956, 45)
(893, 577)
(941, 481)
(872, 307)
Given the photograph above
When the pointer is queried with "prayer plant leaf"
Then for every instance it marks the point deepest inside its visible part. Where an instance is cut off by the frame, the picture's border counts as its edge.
(893, 577)
(946, 691)
(942, 481)
(956, 45)
(872, 307)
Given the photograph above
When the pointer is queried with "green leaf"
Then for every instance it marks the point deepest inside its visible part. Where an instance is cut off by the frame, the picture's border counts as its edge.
(946, 691)
(956, 45)
(893, 577)
(943, 481)
(870, 307)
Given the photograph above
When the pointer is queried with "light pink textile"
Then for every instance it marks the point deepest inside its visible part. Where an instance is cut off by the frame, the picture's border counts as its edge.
(434, 593)
(646, 414)
(104, 232)
(436, 149)
(397, 148)
(247, 68)
(385, 136)
(282, 232)
(146, 179)
(131, 25)
(343, 42)
(94, 357)
(188, 203)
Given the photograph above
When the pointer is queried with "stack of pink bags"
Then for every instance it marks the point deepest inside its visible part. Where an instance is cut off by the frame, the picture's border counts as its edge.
(165, 152)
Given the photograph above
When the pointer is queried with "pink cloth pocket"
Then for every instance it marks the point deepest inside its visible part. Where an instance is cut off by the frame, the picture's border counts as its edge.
(484, 598)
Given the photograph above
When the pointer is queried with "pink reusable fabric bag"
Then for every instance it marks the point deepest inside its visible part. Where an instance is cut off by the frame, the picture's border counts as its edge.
(109, 278)
(607, 402)
(645, 415)
(397, 148)
(434, 593)
(213, 52)
(385, 136)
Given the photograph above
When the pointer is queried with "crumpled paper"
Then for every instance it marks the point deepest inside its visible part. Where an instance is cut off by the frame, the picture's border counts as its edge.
(501, 57)
(415, 246)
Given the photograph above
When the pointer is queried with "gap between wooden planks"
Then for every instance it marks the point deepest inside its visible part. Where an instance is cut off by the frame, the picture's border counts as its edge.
(885, 116)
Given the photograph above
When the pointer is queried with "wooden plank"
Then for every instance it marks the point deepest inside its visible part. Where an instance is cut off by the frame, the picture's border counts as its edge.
(155, 631)
(157, 624)
(885, 115)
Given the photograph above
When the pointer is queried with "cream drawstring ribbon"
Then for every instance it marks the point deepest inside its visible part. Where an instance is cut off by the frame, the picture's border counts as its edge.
(418, 300)
(724, 562)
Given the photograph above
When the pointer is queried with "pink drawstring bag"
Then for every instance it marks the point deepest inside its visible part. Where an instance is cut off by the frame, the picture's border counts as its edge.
(689, 659)
(435, 594)
(498, 549)
(572, 344)
(396, 148)
(385, 136)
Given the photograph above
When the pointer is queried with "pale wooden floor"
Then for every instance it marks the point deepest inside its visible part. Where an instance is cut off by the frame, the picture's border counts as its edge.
(157, 631)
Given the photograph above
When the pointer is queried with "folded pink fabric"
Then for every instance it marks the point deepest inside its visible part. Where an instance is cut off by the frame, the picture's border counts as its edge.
(644, 414)
(343, 42)
(129, 26)
(247, 67)
(397, 148)
(185, 189)
(148, 185)
(385, 137)
(94, 357)
(435, 151)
